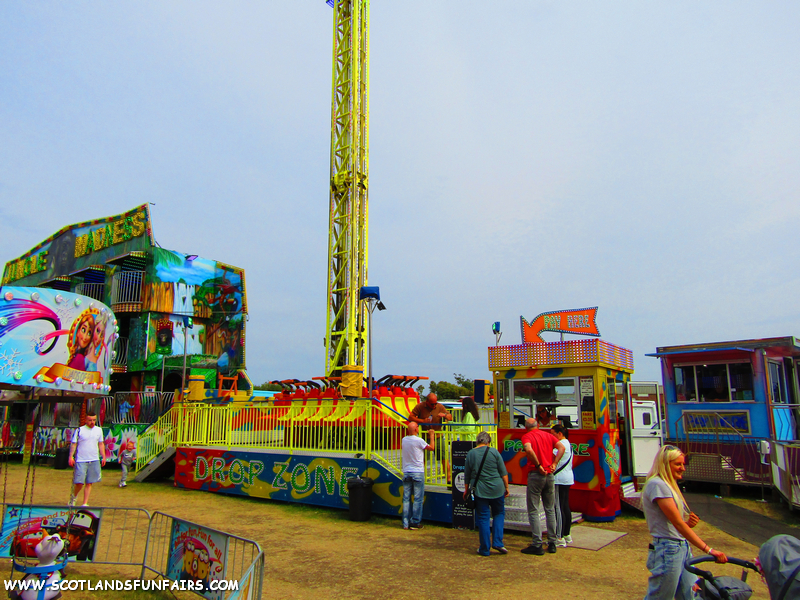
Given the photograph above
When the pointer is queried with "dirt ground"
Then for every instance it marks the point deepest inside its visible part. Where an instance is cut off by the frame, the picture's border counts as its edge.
(319, 553)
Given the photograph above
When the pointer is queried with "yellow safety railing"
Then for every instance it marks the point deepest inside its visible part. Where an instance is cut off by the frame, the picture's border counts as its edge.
(346, 427)
(156, 438)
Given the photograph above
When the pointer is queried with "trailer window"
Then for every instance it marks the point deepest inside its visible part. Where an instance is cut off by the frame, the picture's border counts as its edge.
(684, 384)
(720, 382)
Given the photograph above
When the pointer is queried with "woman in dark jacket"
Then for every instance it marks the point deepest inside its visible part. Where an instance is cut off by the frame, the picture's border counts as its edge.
(491, 489)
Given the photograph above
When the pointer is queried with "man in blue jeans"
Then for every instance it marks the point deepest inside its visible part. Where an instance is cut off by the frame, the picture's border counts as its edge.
(414, 448)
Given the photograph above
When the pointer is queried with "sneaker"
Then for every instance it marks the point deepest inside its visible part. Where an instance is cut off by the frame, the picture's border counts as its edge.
(120, 485)
(479, 553)
(536, 550)
(568, 539)
(84, 505)
(417, 526)
(124, 485)
(561, 543)
(551, 547)
(502, 550)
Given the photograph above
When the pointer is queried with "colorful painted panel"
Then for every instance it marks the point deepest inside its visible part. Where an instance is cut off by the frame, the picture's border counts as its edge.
(721, 421)
(25, 526)
(560, 353)
(305, 479)
(197, 554)
(211, 292)
(595, 462)
(80, 246)
(173, 338)
(56, 340)
(48, 439)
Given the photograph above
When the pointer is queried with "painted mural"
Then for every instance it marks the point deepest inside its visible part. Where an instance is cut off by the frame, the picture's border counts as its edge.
(80, 246)
(209, 291)
(54, 339)
(116, 437)
(25, 526)
(197, 554)
(307, 479)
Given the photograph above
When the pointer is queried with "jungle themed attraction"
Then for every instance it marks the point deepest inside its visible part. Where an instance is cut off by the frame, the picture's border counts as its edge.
(580, 382)
(733, 408)
(176, 315)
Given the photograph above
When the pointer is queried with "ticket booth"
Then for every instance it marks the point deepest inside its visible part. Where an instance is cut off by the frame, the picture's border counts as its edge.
(579, 382)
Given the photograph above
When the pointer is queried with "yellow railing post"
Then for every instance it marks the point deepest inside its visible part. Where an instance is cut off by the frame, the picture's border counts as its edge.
(368, 431)
(228, 425)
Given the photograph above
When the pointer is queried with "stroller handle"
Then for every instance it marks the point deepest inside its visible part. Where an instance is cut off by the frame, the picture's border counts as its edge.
(708, 558)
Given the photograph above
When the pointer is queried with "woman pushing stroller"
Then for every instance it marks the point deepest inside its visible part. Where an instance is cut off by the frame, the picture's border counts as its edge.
(670, 523)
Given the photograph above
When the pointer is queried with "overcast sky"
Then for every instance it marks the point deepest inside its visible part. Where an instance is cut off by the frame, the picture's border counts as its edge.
(525, 156)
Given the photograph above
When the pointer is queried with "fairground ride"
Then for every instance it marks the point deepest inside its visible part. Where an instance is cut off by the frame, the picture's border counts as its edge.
(349, 186)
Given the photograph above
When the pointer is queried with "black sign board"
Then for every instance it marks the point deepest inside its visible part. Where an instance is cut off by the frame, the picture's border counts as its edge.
(463, 517)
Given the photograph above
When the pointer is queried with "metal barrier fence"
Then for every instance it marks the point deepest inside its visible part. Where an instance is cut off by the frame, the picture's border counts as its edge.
(717, 452)
(105, 534)
(364, 426)
(168, 536)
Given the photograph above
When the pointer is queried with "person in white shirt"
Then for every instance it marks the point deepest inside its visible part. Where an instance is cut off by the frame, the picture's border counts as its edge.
(563, 480)
(86, 453)
(414, 448)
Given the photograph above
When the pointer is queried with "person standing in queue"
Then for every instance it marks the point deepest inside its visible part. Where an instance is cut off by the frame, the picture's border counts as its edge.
(563, 479)
(430, 415)
(538, 445)
(485, 473)
(670, 523)
(469, 417)
(413, 448)
(85, 452)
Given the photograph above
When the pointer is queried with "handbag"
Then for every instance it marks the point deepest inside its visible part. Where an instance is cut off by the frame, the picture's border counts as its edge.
(469, 501)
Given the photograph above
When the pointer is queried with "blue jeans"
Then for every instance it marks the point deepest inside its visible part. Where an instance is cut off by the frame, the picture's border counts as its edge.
(668, 577)
(413, 483)
(497, 508)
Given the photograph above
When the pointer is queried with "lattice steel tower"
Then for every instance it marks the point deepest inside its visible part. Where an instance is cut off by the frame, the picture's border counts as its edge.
(349, 185)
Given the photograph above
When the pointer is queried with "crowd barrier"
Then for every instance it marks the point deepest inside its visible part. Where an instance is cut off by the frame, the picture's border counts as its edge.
(366, 426)
(159, 543)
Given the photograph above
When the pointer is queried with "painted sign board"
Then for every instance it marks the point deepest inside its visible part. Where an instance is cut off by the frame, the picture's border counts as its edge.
(722, 421)
(53, 339)
(462, 516)
(197, 554)
(580, 321)
(595, 465)
(317, 480)
(25, 526)
(80, 246)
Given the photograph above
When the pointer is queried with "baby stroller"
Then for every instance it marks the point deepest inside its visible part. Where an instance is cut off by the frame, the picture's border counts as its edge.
(779, 561)
(723, 587)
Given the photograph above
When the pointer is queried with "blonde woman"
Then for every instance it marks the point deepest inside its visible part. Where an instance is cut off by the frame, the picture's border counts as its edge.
(670, 521)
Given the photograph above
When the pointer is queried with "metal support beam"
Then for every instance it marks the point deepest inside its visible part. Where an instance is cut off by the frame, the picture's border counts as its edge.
(349, 169)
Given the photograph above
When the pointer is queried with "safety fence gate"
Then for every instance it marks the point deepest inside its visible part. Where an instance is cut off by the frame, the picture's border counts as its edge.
(211, 563)
(184, 551)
